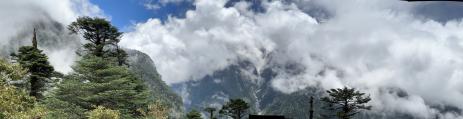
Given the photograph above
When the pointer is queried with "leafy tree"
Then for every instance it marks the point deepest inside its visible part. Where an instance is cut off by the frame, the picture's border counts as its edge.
(211, 111)
(15, 103)
(193, 114)
(99, 82)
(346, 102)
(102, 36)
(235, 108)
(103, 113)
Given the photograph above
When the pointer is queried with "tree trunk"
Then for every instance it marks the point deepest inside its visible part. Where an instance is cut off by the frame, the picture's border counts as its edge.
(211, 114)
(238, 115)
(35, 87)
(311, 108)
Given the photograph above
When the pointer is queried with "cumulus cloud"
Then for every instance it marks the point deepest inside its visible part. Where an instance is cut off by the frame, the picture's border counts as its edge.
(19, 17)
(378, 46)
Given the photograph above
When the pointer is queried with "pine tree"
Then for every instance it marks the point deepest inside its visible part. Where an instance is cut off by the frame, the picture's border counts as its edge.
(36, 62)
(235, 108)
(193, 114)
(99, 82)
(346, 102)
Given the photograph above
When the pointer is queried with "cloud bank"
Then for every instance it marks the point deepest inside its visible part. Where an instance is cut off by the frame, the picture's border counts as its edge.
(19, 17)
(409, 63)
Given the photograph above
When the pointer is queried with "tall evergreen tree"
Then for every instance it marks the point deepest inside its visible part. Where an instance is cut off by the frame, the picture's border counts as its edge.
(99, 82)
(235, 108)
(346, 102)
(36, 62)
(99, 79)
(102, 36)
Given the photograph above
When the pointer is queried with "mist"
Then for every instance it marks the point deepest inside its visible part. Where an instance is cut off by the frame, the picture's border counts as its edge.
(49, 17)
(408, 61)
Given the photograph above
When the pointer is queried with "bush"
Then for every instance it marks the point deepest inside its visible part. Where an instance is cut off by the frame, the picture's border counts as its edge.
(103, 113)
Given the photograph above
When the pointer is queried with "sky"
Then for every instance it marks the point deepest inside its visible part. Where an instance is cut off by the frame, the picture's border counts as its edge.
(126, 13)
(382, 47)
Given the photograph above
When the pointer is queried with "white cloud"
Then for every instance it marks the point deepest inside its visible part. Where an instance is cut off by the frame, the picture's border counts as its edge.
(151, 6)
(20, 16)
(157, 4)
(373, 45)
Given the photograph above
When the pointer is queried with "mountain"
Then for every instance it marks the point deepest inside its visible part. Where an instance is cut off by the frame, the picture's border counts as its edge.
(142, 65)
(244, 81)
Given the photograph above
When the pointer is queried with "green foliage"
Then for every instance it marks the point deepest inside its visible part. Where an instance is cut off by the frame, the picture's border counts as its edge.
(346, 102)
(156, 110)
(193, 114)
(10, 71)
(103, 113)
(59, 109)
(38, 67)
(235, 108)
(15, 103)
(143, 66)
(100, 82)
(102, 36)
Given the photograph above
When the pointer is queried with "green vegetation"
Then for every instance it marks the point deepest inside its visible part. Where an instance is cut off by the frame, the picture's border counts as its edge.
(156, 110)
(103, 113)
(346, 102)
(97, 82)
(102, 36)
(101, 85)
(109, 83)
(235, 108)
(14, 102)
(194, 114)
(37, 66)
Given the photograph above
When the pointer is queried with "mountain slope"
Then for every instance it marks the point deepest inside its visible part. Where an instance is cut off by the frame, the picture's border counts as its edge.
(255, 87)
(143, 66)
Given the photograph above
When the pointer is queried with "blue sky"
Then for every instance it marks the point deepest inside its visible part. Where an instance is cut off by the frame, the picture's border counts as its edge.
(124, 13)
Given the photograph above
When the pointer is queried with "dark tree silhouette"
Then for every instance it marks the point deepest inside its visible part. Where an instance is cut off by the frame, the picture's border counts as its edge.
(235, 108)
(211, 111)
(346, 102)
(311, 108)
(193, 114)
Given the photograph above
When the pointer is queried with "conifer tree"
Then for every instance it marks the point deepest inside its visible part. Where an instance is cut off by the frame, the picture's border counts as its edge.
(36, 62)
(99, 79)
(102, 36)
(235, 108)
(346, 102)
(99, 82)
